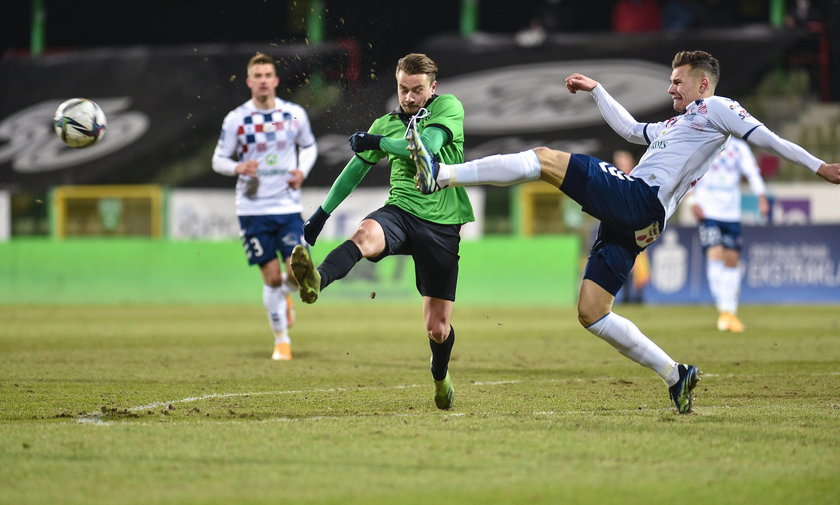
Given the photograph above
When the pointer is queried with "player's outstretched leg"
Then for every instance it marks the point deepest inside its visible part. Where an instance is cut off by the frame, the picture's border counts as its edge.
(306, 274)
(682, 392)
(426, 163)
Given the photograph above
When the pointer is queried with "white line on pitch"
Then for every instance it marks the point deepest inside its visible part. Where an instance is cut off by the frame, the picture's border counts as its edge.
(97, 417)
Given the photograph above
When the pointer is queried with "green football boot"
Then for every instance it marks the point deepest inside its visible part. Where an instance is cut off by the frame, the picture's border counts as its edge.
(306, 274)
(444, 393)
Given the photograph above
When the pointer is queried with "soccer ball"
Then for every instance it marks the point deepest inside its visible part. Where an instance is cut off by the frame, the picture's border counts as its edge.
(79, 122)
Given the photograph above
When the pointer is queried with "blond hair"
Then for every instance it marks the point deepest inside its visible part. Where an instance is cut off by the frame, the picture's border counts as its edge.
(701, 60)
(416, 63)
(261, 59)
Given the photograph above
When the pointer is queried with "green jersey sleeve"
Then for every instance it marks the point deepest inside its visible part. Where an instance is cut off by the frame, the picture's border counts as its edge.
(444, 128)
(433, 138)
(345, 183)
(447, 113)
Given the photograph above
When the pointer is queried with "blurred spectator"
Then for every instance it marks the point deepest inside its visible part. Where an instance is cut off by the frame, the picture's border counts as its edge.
(808, 21)
(802, 14)
(635, 16)
(716, 14)
(550, 16)
(678, 15)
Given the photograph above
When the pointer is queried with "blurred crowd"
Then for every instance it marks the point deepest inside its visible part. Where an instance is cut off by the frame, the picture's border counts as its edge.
(638, 16)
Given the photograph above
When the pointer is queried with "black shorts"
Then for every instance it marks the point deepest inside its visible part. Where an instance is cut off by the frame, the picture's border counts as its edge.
(630, 214)
(434, 248)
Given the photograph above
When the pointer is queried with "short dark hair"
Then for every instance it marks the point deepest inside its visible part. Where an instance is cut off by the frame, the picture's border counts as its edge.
(261, 59)
(416, 63)
(699, 60)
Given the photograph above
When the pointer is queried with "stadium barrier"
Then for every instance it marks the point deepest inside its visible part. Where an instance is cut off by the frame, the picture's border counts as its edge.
(781, 265)
(107, 210)
(109, 271)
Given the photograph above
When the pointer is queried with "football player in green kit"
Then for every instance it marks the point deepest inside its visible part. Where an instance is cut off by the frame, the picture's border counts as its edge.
(427, 227)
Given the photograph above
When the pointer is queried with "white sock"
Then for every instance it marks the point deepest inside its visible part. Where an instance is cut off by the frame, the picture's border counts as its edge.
(274, 300)
(627, 339)
(729, 287)
(288, 285)
(282, 338)
(714, 274)
(496, 170)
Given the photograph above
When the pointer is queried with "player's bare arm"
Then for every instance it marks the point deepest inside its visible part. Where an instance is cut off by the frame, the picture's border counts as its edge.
(295, 179)
(830, 172)
(579, 82)
(697, 210)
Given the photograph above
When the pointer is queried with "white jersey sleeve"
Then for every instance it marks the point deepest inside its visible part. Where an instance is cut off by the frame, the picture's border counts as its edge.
(749, 167)
(307, 148)
(304, 137)
(735, 120)
(764, 138)
(619, 118)
(223, 161)
(682, 148)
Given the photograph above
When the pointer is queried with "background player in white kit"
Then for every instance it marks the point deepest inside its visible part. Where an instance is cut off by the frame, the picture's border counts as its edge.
(268, 143)
(632, 209)
(716, 203)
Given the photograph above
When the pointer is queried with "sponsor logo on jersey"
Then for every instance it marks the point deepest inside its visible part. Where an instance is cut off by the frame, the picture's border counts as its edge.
(648, 235)
(262, 172)
(736, 108)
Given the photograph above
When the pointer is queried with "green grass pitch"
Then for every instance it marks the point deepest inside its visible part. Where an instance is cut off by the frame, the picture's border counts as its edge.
(165, 405)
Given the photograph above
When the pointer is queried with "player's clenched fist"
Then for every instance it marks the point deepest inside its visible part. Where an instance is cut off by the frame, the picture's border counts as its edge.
(830, 172)
(579, 82)
(248, 168)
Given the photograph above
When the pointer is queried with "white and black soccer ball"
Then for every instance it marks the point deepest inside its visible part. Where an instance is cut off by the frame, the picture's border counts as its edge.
(79, 122)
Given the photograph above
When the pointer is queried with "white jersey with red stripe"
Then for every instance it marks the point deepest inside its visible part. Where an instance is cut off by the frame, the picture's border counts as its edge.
(718, 193)
(272, 138)
(681, 149)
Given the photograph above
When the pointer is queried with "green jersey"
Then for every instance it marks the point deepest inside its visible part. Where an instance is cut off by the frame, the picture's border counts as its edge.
(447, 206)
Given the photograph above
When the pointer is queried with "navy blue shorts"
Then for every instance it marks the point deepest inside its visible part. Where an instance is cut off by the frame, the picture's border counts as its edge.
(727, 234)
(265, 236)
(631, 217)
(433, 246)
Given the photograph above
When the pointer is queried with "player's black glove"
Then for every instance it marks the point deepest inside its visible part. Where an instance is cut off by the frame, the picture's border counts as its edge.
(313, 226)
(364, 141)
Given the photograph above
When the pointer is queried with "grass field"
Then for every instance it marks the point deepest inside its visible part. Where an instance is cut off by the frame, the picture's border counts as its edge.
(164, 405)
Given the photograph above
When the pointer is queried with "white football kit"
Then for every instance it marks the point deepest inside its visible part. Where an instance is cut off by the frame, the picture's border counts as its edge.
(271, 137)
(718, 193)
(681, 148)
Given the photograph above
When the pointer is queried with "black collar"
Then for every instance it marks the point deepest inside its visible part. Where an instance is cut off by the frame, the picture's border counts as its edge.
(405, 117)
